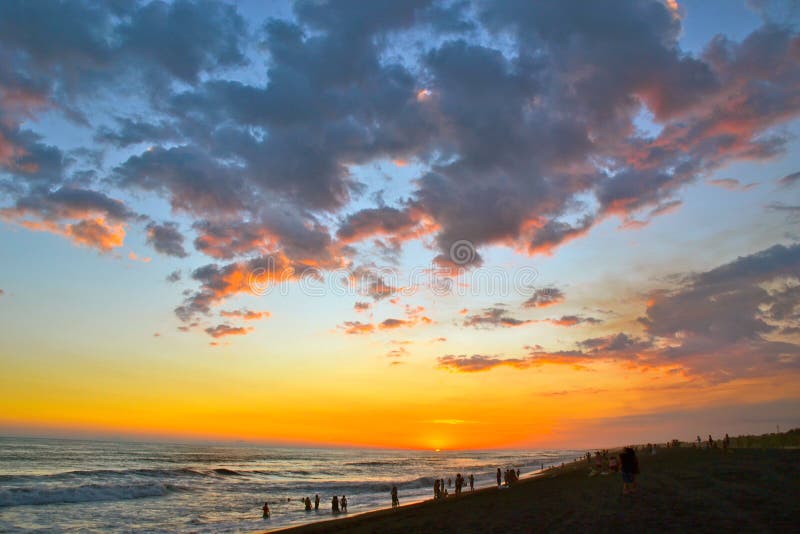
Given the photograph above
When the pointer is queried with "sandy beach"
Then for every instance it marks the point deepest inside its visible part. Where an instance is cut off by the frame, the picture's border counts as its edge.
(679, 489)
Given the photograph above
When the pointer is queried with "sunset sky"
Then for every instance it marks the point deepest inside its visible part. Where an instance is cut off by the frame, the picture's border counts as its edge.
(406, 224)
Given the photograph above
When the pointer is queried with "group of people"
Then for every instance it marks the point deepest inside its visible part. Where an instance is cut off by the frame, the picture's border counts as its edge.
(626, 462)
(337, 505)
(509, 477)
(441, 492)
(712, 444)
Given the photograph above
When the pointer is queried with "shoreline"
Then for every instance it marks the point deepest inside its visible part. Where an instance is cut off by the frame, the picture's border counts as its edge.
(379, 512)
(680, 489)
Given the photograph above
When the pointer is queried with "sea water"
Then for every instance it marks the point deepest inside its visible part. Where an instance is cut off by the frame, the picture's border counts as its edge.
(102, 486)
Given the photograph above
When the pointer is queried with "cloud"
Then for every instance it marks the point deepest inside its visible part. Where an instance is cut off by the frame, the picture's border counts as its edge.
(544, 297)
(493, 318)
(361, 306)
(357, 327)
(572, 320)
(792, 211)
(224, 330)
(790, 179)
(478, 363)
(244, 314)
(520, 119)
(733, 321)
(174, 276)
(166, 239)
(731, 184)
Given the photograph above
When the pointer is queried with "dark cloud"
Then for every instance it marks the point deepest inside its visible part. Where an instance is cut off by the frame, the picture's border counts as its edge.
(166, 239)
(522, 117)
(722, 324)
(174, 276)
(790, 179)
(573, 320)
(223, 330)
(543, 297)
(493, 318)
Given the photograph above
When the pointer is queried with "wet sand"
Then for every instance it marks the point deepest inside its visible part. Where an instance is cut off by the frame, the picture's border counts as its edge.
(749, 490)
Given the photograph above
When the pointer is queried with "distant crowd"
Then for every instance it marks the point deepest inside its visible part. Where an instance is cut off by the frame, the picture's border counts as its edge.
(440, 491)
(602, 462)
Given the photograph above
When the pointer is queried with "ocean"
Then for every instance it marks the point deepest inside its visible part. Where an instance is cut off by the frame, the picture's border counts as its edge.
(56, 485)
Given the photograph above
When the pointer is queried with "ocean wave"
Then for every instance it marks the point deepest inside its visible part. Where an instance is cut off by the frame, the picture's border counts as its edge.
(105, 473)
(227, 472)
(21, 496)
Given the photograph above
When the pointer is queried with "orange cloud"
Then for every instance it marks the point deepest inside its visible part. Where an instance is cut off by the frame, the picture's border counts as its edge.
(224, 330)
(246, 315)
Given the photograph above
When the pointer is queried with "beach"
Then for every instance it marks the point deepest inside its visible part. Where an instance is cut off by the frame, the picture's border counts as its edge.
(679, 489)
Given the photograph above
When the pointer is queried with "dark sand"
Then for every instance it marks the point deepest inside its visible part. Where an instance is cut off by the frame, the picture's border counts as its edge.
(680, 490)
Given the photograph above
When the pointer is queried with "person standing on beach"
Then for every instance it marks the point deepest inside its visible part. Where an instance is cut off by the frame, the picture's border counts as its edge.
(499, 477)
(344, 504)
(335, 504)
(471, 483)
(629, 466)
(395, 500)
(436, 489)
(266, 510)
(307, 502)
(316, 502)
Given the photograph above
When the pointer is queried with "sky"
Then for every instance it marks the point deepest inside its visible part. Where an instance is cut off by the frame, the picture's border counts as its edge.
(404, 224)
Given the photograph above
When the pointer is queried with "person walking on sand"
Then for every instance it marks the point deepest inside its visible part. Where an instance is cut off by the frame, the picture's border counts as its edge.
(471, 483)
(265, 508)
(344, 504)
(316, 502)
(395, 500)
(335, 504)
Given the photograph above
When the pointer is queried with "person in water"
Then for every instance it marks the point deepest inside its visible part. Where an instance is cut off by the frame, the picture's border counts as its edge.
(307, 502)
(436, 489)
(471, 483)
(344, 504)
(335, 504)
(395, 499)
(316, 501)
(265, 508)
(499, 477)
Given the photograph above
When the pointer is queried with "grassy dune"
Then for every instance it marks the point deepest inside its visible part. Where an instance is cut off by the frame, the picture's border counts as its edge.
(750, 490)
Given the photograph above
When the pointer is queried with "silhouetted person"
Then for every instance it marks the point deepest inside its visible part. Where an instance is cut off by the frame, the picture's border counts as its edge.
(344, 504)
(307, 502)
(395, 500)
(436, 489)
(449, 482)
(335, 504)
(517, 474)
(499, 477)
(471, 483)
(316, 501)
(265, 508)
(629, 465)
